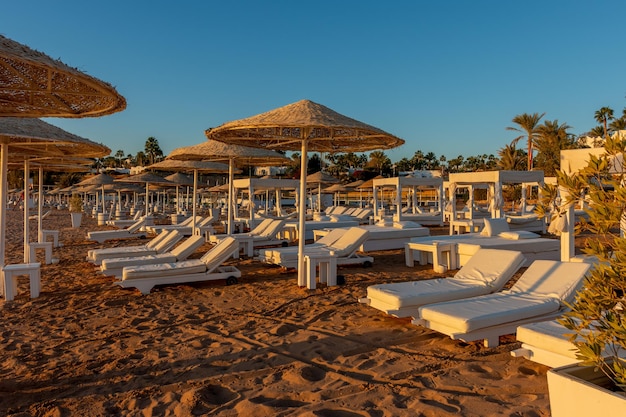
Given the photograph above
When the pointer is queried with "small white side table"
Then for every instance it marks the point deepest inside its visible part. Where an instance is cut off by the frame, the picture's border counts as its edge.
(440, 250)
(326, 262)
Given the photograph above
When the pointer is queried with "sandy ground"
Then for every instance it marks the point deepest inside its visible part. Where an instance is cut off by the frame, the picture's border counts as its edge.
(263, 347)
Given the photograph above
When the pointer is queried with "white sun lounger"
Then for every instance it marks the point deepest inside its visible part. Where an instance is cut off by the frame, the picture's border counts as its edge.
(486, 272)
(270, 254)
(186, 227)
(36, 216)
(545, 343)
(265, 234)
(114, 266)
(121, 224)
(207, 268)
(345, 249)
(163, 242)
(133, 231)
(540, 294)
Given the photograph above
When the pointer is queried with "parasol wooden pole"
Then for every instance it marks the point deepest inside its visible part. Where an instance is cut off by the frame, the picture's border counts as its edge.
(231, 193)
(40, 207)
(302, 215)
(4, 156)
(195, 192)
(26, 209)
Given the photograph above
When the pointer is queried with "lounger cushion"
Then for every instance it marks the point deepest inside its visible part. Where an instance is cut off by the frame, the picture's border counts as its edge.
(493, 227)
(219, 253)
(97, 255)
(193, 266)
(485, 272)
(523, 219)
(518, 234)
(492, 267)
(488, 310)
(565, 279)
(115, 263)
(185, 249)
(406, 225)
(418, 293)
(547, 335)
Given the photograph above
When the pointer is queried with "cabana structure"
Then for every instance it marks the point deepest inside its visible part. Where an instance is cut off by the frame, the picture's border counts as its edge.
(472, 220)
(412, 211)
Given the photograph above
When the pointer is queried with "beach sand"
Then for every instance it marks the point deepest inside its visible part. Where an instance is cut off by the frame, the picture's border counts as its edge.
(263, 347)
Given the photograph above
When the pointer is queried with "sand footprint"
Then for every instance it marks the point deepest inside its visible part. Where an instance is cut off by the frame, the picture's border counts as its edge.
(278, 402)
(200, 401)
(449, 408)
(335, 412)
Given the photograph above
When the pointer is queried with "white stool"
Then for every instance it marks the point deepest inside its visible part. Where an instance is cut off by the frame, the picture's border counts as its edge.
(46, 246)
(10, 274)
(45, 234)
(439, 250)
(327, 263)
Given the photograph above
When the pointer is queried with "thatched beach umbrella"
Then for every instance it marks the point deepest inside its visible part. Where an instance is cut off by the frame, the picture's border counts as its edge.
(235, 155)
(101, 180)
(22, 139)
(304, 126)
(336, 189)
(147, 178)
(181, 180)
(317, 179)
(34, 85)
(61, 164)
(195, 167)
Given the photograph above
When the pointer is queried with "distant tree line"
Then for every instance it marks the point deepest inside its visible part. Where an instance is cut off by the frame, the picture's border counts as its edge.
(543, 140)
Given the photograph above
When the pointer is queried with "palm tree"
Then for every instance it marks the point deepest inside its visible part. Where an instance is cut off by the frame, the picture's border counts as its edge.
(511, 158)
(119, 155)
(603, 116)
(153, 150)
(379, 160)
(527, 123)
(552, 138)
(618, 124)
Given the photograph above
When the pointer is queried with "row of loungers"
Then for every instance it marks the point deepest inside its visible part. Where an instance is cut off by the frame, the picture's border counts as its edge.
(159, 262)
(469, 306)
(142, 267)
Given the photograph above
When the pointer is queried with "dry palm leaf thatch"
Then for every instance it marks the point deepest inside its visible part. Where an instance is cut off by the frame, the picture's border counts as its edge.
(320, 177)
(213, 150)
(285, 128)
(185, 165)
(34, 85)
(28, 138)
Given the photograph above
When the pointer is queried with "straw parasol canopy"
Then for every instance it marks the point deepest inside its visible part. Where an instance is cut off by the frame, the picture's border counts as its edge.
(336, 188)
(149, 179)
(98, 179)
(235, 155)
(191, 165)
(285, 128)
(29, 138)
(304, 126)
(222, 152)
(320, 177)
(95, 182)
(34, 85)
(180, 179)
(354, 184)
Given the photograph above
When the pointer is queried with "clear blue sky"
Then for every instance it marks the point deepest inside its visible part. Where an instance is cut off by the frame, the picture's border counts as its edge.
(446, 76)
